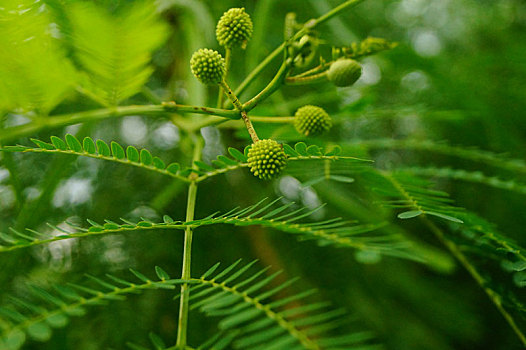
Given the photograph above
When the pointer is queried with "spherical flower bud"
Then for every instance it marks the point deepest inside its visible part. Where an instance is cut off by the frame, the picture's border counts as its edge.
(208, 66)
(312, 120)
(234, 28)
(266, 159)
(344, 72)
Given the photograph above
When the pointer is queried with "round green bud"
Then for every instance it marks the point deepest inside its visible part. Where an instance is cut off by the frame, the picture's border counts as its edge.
(234, 28)
(266, 159)
(208, 66)
(344, 72)
(312, 120)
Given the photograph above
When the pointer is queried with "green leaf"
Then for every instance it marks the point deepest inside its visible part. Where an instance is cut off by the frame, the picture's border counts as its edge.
(410, 214)
(39, 331)
(42, 144)
(161, 273)
(226, 160)
(290, 151)
(204, 166)
(115, 48)
(117, 150)
(146, 157)
(519, 278)
(340, 178)
(139, 275)
(314, 150)
(35, 72)
(444, 216)
(301, 148)
(335, 150)
(157, 342)
(73, 143)
(102, 148)
(237, 155)
(58, 143)
(89, 145)
(158, 163)
(167, 219)
(15, 339)
(173, 168)
(132, 154)
(57, 321)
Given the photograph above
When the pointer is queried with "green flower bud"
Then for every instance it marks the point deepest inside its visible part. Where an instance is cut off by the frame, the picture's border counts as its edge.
(234, 28)
(312, 120)
(344, 72)
(266, 159)
(208, 66)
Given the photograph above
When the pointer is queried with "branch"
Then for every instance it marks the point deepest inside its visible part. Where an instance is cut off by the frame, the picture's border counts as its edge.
(100, 114)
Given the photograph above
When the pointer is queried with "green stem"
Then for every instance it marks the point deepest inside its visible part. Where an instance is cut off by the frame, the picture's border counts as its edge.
(275, 84)
(257, 71)
(276, 120)
(105, 113)
(310, 79)
(224, 123)
(228, 59)
(241, 109)
(306, 27)
(187, 254)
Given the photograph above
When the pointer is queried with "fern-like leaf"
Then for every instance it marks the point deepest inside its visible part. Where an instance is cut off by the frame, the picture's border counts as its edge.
(115, 50)
(334, 232)
(404, 191)
(35, 74)
(468, 176)
(472, 154)
(24, 318)
(16, 239)
(481, 237)
(101, 150)
(301, 159)
(264, 322)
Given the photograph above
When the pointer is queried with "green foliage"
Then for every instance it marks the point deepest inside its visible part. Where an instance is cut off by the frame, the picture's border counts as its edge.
(406, 191)
(101, 150)
(263, 324)
(35, 73)
(382, 209)
(115, 50)
(32, 319)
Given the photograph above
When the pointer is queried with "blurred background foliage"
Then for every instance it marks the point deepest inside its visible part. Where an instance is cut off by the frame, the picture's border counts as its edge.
(457, 75)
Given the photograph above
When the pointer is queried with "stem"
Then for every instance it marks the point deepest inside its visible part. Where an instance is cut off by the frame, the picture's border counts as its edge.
(231, 96)
(307, 26)
(257, 71)
(250, 127)
(276, 120)
(310, 79)
(100, 114)
(241, 109)
(270, 88)
(228, 59)
(335, 11)
(221, 122)
(187, 254)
